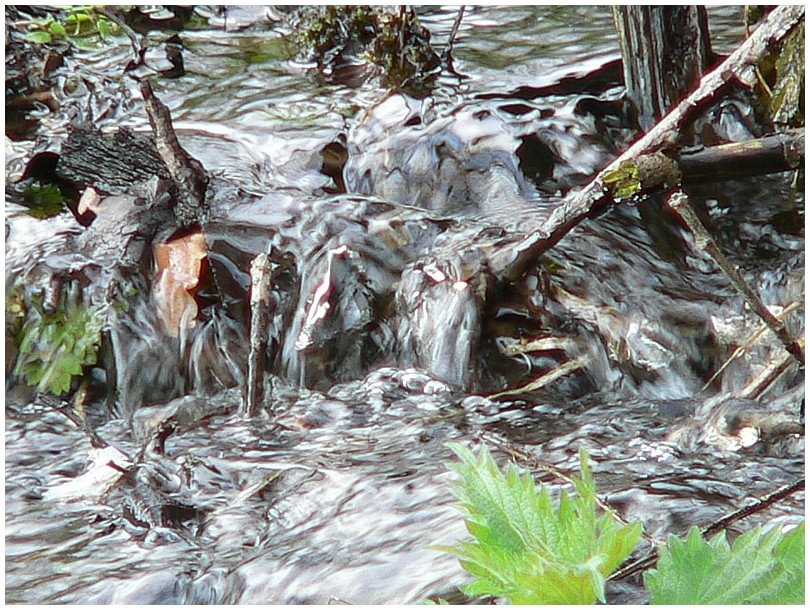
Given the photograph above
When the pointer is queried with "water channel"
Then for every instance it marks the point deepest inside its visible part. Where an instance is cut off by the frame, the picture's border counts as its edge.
(337, 489)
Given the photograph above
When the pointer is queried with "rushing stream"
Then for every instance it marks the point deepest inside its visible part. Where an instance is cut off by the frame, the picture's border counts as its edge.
(339, 486)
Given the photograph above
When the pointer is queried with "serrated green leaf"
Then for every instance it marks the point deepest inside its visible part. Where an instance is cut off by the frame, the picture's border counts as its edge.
(696, 571)
(54, 347)
(528, 551)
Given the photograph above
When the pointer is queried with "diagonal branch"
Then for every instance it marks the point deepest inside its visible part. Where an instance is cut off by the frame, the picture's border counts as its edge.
(738, 67)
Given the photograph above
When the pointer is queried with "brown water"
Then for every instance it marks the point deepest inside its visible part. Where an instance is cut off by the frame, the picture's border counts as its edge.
(337, 494)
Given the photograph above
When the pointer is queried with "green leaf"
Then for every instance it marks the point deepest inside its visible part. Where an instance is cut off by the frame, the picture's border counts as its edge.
(39, 37)
(54, 347)
(762, 567)
(528, 551)
(44, 200)
(57, 30)
(104, 29)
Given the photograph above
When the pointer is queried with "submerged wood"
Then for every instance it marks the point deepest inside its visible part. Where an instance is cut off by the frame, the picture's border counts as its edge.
(111, 166)
(260, 300)
(188, 174)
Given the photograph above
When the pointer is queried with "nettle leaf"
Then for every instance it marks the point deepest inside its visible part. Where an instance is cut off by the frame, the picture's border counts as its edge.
(55, 346)
(526, 549)
(762, 567)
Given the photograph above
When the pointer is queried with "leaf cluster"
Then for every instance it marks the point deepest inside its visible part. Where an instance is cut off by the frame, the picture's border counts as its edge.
(761, 567)
(529, 550)
(82, 25)
(44, 199)
(54, 346)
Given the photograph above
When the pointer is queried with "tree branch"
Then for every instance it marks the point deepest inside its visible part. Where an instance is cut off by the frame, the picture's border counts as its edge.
(738, 67)
(772, 153)
(679, 203)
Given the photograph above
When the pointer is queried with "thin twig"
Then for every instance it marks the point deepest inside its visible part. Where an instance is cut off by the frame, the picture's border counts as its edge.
(260, 286)
(719, 525)
(63, 408)
(454, 31)
(769, 374)
(679, 203)
(758, 506)
(544, 380)
(753, 338)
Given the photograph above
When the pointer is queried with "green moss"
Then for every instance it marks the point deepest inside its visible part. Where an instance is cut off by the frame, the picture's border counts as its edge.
(623, 181)
(787, 102)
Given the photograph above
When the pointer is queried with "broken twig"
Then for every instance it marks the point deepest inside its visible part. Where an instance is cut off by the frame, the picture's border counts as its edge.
(679, 203)
(260, 285)
(719, 525)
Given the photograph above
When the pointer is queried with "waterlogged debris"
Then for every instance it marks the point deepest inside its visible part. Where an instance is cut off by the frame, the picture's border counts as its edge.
(179, 264)
(105, 466)
(390, 41)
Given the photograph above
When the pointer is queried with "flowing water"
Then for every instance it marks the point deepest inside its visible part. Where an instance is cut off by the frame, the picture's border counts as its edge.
(338, 488)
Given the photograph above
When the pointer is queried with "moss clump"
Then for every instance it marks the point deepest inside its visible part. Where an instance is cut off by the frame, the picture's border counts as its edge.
(389, 38)
(85, 26)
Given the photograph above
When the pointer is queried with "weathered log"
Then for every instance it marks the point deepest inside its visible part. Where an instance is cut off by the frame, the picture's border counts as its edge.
(111, 166)
(645, 173)
(665, 51)
(766, 155)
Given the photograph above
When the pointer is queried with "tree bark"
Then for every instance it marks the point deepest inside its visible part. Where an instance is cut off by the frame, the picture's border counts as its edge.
(665, 51)
(766, 155)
